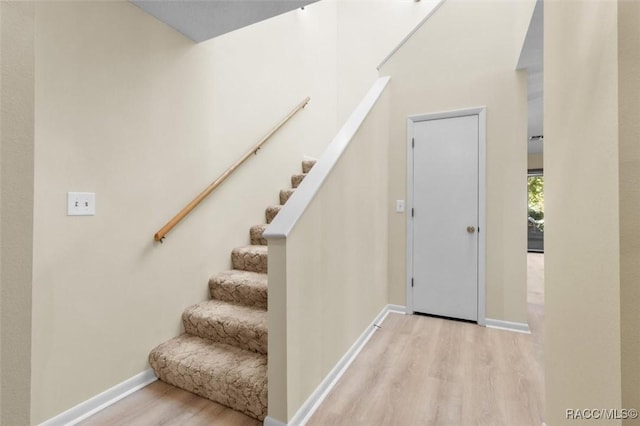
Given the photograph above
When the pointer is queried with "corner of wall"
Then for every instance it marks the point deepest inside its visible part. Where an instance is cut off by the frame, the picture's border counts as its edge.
(16, 208)
(277, 362)
(629, 182)
(582, 341)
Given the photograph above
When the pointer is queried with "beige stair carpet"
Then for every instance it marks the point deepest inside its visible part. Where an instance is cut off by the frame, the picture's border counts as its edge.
(222, 355)
(240, 287)
(250, 258)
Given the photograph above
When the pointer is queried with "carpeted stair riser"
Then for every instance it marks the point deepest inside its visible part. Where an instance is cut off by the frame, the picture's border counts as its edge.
(222, 355)
(296, 180)
(271, 212)
(307, 165)
(250, 258)
(240, 287)
(228, 375)
(285, 194)
(235, 325)
(256, 235)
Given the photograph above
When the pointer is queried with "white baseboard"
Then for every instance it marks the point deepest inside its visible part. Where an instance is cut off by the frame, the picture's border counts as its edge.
(270, 421)
(99, 402)
(398, 309)
(519, 327)
(315, 399)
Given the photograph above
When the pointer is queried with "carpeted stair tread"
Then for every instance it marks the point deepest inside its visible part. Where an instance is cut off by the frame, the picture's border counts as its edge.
(255, 233)
(228, 375)
(271, 212)
(240, 287)
(250, 258)
(307, 165)
(222, 355)
(223, 322)
(285, 194)
(296, 180)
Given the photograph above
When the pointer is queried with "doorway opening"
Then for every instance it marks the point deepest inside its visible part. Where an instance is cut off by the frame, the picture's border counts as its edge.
(535, 211)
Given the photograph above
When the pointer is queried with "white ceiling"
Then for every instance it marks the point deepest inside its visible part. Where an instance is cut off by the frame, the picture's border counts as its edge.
(202, 20)
(531, 59)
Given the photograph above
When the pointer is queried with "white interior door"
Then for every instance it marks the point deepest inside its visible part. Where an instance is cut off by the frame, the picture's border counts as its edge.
(445, 217)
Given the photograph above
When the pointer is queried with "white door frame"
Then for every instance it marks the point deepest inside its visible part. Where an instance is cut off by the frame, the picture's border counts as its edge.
(482, 186)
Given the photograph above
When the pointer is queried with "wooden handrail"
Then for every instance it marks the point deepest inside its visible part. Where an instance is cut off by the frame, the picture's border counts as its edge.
(159, 236)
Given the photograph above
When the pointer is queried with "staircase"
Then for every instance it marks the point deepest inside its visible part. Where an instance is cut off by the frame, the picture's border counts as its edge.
(222, 354)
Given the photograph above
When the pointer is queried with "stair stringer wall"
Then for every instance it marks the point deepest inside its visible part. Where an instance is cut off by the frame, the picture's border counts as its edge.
(328, 274)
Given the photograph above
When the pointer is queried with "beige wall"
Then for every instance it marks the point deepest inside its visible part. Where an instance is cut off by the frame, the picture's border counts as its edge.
(535, 161)
(582, 257)
(128, 108)
(367, 32)
(16, 207)
(335, 279)
(629, 182)
(1, 115)
(465, 56)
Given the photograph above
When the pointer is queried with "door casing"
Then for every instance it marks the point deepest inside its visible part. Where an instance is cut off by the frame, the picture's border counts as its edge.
(482, 183)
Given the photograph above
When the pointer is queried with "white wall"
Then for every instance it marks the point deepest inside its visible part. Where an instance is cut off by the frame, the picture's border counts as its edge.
(582, 257)
(465, 56)
(128, 108)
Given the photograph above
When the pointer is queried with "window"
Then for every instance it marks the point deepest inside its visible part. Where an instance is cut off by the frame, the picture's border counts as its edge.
(535, 213)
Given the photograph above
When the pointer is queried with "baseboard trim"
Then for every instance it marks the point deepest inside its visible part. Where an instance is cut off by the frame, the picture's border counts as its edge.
(101, 401)
(519, 327)
(109, 397)
(315, 399)
(270, 421)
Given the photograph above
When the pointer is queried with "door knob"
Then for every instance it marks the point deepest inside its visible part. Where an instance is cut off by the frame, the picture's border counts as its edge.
(471, 229)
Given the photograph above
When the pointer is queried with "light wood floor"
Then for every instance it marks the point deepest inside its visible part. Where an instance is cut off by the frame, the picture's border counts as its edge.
(163, 404)
(420, 370)
(415, 370)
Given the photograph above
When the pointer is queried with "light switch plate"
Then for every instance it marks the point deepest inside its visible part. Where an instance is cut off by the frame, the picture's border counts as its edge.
(81, 203)
(399, 206)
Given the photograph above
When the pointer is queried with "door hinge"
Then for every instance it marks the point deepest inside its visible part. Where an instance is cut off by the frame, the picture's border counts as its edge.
(411, 282)
(413, 143)
(411, 211)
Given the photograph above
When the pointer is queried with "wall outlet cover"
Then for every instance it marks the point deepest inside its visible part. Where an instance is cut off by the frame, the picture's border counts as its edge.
(81, 203)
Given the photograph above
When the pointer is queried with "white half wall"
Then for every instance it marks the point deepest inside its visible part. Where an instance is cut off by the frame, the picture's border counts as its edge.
(328, 258)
